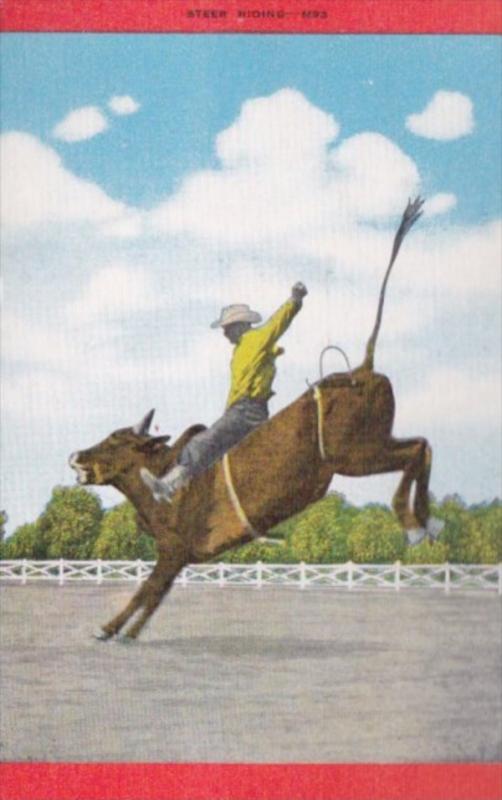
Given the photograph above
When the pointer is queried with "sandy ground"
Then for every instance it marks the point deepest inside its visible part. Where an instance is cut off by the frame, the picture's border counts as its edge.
(274, 675)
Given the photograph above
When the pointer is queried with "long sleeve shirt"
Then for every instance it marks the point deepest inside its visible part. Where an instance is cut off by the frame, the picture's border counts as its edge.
(253, 361)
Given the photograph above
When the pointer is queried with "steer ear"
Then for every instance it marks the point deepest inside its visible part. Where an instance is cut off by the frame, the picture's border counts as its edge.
(154, 444)
(141, 428)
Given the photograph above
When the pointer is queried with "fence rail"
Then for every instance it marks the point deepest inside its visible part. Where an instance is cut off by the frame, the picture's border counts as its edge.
(391, 577)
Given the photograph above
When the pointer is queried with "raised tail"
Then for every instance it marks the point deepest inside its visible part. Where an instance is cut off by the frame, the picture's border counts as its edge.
(411, 213)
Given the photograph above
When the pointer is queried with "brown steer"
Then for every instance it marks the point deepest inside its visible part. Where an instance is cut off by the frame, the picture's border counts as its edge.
(343, 426)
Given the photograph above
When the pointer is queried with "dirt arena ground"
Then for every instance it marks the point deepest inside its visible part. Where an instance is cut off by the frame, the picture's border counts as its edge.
(232, 675)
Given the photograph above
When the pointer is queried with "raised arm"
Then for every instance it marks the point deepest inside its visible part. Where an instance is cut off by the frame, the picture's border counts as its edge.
(279, 322)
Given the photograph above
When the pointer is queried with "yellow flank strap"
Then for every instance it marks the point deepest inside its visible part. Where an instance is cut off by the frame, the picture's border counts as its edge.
(320, 422)
(233, 497)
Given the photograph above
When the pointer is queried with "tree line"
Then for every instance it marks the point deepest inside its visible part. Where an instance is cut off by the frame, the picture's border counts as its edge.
(74, 526)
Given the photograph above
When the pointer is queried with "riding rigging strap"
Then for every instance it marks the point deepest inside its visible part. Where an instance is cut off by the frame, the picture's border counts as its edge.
(234, 499)
(236, 505)
(320, 421)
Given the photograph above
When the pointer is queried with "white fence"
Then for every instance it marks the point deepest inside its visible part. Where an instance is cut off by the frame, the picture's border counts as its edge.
(349, 576)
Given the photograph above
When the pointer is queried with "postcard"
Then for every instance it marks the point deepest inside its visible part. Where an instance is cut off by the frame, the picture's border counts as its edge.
(252, 518)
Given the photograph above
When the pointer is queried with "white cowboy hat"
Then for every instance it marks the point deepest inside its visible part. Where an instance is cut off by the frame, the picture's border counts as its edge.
(239, 312)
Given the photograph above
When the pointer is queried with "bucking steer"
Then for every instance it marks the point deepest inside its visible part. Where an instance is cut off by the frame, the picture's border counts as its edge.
(342, 424)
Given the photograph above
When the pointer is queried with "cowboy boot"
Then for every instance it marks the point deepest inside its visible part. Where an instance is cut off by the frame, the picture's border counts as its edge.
(165, 488)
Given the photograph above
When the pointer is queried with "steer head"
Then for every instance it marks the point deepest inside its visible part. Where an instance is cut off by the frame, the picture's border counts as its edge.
(121, 452)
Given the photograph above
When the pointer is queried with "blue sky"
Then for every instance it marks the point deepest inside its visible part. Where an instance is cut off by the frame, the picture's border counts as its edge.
(235, 166)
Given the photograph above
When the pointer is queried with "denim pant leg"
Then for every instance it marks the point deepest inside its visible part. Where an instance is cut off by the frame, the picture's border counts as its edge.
(207, 447)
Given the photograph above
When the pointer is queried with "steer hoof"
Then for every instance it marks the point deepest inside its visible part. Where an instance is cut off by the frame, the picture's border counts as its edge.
(102, 635)
(434, 527)
(415, 536)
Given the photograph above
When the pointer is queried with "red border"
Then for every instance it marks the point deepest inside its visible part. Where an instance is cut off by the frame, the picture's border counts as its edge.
(343, 16)
(251, 781)
(57, 781)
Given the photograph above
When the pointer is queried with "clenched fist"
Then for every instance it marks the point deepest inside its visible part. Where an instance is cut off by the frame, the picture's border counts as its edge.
(298, 292)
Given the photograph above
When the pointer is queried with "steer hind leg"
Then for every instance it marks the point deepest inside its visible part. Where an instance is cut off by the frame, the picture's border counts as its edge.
(412, 458)
(416, 469)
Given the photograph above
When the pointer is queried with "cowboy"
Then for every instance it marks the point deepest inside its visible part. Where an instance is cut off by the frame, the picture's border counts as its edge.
(252, 373)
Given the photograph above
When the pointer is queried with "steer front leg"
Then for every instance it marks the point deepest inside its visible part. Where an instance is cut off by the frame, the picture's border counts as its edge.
(173, 557)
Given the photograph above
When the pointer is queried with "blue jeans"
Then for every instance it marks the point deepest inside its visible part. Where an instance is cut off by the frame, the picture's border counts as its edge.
(207, 447)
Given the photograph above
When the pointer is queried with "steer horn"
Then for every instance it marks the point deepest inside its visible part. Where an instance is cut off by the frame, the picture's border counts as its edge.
(142, 427)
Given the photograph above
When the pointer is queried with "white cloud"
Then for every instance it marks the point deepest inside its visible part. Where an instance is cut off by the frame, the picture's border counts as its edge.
(439, 204)
(283, 128)
(123, 104)
(372, 177)
(36, 395)
(82, 123)
(37, 188)
(448, 115)
(128, 226)
(465, 262)
(281, 180)
(26, 341)
(458, 398)
(115, 291)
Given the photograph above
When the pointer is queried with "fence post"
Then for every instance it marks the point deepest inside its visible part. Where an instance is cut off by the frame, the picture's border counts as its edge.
(500, 578)
(397, 582)
(138, 570)
(303, 575)
(184, 578)
(23, 572)
(221, 574)
(100, 572)
(447, 578)
(350, 577)
(61, 572)
(259, 575)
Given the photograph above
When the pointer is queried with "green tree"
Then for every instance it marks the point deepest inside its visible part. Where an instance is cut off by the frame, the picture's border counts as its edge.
(426, 553)
(490, 521)
(3, 521)
(120, 538)
(26, 542)
(70, 523)
(320, 533)
(455, 514)
(253, 552)
(376, 537)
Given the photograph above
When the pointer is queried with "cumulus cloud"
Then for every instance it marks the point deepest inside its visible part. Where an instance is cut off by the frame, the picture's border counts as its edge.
(464, 262)
(26, 341)
(447, 116)
(37, 188)
(459, 398)
(281, 177)
(115, 291)
(127, 226)
(80, 124)
(35, 395)
(123, 104)
(439, 204)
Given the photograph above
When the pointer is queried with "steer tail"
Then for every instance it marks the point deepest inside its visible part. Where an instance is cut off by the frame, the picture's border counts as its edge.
(411, 213)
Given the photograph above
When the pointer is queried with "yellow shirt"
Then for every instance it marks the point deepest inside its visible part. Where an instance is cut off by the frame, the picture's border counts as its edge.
(253, 361)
